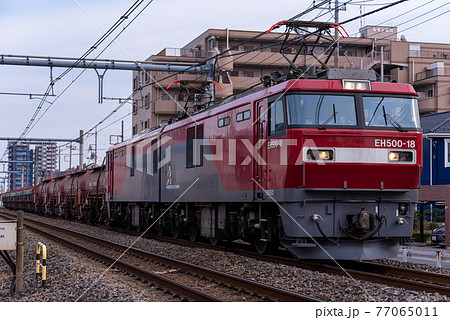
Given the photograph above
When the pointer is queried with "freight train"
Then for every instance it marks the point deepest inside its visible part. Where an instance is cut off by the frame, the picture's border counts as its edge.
(328, 169)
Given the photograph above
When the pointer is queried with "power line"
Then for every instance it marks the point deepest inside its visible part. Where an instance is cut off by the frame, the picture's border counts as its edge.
(108, 33)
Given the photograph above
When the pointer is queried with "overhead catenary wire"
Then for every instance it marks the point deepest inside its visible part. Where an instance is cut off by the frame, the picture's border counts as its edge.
(255, 50)
(109, 32)
(76, 78)
(217, 56)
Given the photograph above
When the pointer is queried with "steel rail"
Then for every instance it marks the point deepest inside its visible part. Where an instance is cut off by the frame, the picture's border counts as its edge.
(411, 279)
(175, 287)
(263, 290)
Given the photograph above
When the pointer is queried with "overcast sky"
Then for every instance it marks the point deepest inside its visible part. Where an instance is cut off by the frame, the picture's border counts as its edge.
(61, 28)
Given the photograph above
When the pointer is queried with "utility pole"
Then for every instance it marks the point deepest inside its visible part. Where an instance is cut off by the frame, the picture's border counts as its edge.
(70, 155)
(19, 253)
(59, 159)
(95, 159)
(122, 131)
(35, 171)
(81, 148)
(336, 33)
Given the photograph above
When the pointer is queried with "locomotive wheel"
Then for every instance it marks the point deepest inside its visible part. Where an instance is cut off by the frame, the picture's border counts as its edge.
(261, 246)
(214, 240)
(176, 228)
(176, 232)
(159, 228)
(265, 246)
(193, 232)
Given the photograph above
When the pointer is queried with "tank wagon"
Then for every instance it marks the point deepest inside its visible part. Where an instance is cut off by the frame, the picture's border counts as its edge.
(79, 195)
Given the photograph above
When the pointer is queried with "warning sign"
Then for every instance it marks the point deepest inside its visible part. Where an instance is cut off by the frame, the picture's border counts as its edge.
(8, 235)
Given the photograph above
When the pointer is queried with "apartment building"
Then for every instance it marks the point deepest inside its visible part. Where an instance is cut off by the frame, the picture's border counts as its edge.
(46, 159)
(29, 161)
(20, 166)
(381, 48)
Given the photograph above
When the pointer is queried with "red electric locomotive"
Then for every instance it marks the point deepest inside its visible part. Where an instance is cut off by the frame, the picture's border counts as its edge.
(326, 168)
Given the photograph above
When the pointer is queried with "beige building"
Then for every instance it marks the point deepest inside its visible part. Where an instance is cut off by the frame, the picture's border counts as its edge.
(424, 65)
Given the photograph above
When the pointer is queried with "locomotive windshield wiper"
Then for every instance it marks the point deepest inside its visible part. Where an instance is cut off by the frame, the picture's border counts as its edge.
(322, 126)
(375, 111)
(392, 122)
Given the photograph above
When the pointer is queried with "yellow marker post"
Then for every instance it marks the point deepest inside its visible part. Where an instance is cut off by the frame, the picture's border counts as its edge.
(38, 259)
(43, 264)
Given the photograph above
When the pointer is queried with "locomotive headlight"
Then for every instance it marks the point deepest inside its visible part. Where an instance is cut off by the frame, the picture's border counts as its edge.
(356, 84)
(393, 156)
(320, 155)
(400, 156)
(325, 155)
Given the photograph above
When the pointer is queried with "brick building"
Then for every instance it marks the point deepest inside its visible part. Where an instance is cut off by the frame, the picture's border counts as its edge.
(424, 65)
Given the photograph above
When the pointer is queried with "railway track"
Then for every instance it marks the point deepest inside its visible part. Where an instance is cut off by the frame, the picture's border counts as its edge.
(410, 279)
(204, 284)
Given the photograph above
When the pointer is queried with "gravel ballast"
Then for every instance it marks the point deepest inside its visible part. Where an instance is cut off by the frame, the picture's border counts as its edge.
(319, 285)
(69, 275)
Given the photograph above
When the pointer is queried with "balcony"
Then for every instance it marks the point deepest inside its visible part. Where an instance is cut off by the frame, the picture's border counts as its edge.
(261, 59)
(241, 83)
(165, 107)
(427, 105)
(430, 73)
(160, 79)
(182, 52)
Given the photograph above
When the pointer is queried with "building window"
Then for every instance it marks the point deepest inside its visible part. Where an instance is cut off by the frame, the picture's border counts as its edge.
(447, 153)
(248, 48)
(414, 50)
(430, 93)
(212, 43)
(165, 97)
(146, 101)
(134, 107)
(249, 74)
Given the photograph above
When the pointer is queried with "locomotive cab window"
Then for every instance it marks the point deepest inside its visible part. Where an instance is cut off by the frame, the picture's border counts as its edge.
(392, 112)
(321, 110)
(276, 118)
